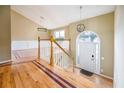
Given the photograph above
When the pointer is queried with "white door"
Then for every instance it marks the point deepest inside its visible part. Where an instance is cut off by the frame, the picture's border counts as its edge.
(87, 56)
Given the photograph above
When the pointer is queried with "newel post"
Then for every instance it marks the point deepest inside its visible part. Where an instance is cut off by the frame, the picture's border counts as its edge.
(51, 51)
(38, 49)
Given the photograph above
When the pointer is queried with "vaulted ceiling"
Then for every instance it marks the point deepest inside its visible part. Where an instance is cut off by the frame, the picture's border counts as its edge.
(54, 16)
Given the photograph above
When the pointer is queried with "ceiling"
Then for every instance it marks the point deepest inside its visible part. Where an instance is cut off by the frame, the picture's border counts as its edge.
(54, 16)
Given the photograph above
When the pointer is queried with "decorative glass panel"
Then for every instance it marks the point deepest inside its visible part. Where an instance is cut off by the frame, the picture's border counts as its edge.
(89, 37)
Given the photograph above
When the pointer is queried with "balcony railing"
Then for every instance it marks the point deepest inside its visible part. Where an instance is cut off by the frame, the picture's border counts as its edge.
(55, 52)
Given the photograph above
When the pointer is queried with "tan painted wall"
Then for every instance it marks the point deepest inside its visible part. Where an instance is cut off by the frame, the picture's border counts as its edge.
(24, 29)
(5, 33)
(104, 26)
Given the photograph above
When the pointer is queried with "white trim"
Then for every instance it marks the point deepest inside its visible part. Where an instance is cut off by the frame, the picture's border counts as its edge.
(19, 45)
(5, 61)
(106, 76)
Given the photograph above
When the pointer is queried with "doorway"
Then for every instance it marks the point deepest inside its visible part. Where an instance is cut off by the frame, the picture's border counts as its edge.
(88, 51)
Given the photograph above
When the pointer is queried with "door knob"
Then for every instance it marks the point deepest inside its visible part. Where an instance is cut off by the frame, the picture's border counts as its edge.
(92, 56)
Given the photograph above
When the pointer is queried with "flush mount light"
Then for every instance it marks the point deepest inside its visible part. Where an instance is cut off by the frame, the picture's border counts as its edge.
(80, 26)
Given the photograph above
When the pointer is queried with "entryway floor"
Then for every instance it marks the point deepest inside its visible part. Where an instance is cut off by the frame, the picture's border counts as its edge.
(100, 81)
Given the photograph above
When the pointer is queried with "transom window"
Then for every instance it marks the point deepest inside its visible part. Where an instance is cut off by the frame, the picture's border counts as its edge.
(59, 34)
(89, 37)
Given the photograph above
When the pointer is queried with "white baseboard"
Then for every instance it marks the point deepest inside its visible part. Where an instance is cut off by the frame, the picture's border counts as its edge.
(106, 76)
(6, 61)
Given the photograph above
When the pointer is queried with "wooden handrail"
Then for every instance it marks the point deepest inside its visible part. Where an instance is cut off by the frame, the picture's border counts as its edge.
(38, 49)
(45, 39)
(62, 49)
(51, 44)
(55, 41)
(51, 54)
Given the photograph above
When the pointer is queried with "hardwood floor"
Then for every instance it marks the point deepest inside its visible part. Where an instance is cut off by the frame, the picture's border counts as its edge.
(25, 73)
(41, 75)
(35, 75)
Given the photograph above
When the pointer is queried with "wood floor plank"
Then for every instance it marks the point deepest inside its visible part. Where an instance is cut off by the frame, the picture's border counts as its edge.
(6, 77)
(42, 77)
(29, 75)
(17, 78)
(1, 76)
(35, 83)
(74, 79)
(25, 78)
(60, 80)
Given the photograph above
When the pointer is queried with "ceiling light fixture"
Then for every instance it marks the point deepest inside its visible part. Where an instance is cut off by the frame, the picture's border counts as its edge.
(80, 26)
(40, 28)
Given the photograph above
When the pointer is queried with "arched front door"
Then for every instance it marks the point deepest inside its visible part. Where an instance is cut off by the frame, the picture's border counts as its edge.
(88, 51)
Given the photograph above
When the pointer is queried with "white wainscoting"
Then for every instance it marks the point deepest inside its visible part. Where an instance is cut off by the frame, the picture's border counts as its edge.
(21, 45)
(25, 49)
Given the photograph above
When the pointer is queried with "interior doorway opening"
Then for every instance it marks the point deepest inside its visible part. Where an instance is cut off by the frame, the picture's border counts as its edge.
(88, 51)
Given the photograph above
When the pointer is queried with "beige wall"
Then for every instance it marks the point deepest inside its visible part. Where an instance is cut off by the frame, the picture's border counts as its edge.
(5, 33)
(24, 29)
(104, 26)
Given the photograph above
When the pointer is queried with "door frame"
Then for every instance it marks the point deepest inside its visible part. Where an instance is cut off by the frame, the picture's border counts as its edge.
(98, 61)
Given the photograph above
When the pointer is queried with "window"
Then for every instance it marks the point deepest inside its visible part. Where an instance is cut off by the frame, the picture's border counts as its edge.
(59, 34)
(89, 37)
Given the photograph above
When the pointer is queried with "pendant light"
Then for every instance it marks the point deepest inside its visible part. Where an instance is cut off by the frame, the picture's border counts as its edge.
(80, 26)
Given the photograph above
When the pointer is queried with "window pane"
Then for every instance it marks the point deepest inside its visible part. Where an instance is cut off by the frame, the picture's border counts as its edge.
(62, 34)
(56, 34)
